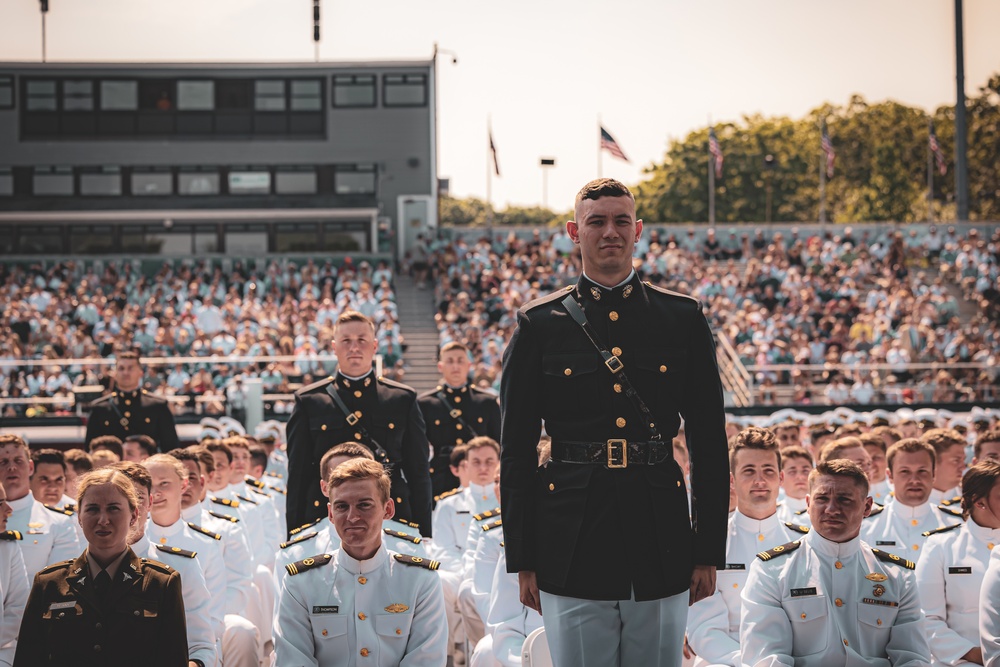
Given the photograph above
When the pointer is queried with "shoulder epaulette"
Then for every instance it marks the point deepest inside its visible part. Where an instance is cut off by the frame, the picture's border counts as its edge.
(58, 510)
(801, 512)
(101, 399)
(244, 499)
(663, 290)
(276, 475)
(296, 531)
(448, 494)
(225, 501)
(957, 500)
(779, 550)
(301, 538)
(224, 517)
(416, 560)
(488, 514)
(876, 510)
(893, 558)
(942, 529)
(315, 385)
(950, 510)
(157, 565)
(548, 298)
(398, 385)
(259, 492)
(300, 566)
(256, 483)
(11, 535)
(401, 535)
(204, 531)
(493, 524)
(176, 551)
(411, 524)
(797, 528)
(56, 566)
(278, 489)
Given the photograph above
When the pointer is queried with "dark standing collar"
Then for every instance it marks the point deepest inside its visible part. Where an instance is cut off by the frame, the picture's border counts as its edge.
(345, 383)
(589, 291)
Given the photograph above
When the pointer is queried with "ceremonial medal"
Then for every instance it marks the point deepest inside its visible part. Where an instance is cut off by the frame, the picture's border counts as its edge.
(876, 576)
(397, 608)
(878, 590)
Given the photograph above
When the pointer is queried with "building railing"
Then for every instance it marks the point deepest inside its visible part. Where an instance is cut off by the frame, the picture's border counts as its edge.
(737, 382)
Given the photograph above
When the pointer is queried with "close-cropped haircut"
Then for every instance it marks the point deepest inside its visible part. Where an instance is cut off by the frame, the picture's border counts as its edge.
(942, 439)
(15, 440)
(354, 450)
(754, 437)
(360, 469)
(79, 460)
(205, 458)
(840, 468)
(883, 431)
(146, 443)
(911, 446)
(127, 353)
(872, 440)
(458, 454)
(453, 345)
(236, 442)
(48, 456)
(603, 187)
(258, 456)
(977, 482)
(170, 462)
(796, 452)
(992, 435)
(482, 441)
(109, 442)
(109, 475)
(349, 316)
(135, 472)
(786, 425)
(219, 446)
(833, 450)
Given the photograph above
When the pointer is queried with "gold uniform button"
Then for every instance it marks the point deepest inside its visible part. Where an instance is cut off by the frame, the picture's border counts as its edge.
(458, 399)
(323, 427)
(914, 522)
(364, 653)
(147, 420)
(916, 547)
(620, 422)
(430, 470)
(618, 388)
(458, 441)
(357, 413)
(552, 487)
(324, 633)
(128, 402)
(107, 423)
(617, 351)
(990, 545)
(361, 616)
(357, 436)
(391, 426)
(357, 394)
(878, 621)
(760, 538)
(458, 427)
(568, 372)
(128, 414)
(803, 616)
(845, 643)
(398, 631)
(736, 585)
(663, 369)
(135, 613)
(839, 565)
(437, 422)
(316, 503)
(613, 316)
(838, 602)
(480, 420)
(362, 580)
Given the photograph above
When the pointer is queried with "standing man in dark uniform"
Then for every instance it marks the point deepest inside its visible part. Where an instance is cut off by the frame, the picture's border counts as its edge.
(603, 530)
(131, 410)
(355, 405)
(456, 412)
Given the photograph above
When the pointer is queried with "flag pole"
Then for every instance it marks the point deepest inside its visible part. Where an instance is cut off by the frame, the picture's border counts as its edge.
(711, 175)
(930, 172)
(822, 176)
(600, 160)
(489, 179)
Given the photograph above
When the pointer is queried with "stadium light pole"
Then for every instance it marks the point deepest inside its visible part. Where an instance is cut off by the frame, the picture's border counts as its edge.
(44, 6)
(437, 142)
(961, 138)
(546, 163)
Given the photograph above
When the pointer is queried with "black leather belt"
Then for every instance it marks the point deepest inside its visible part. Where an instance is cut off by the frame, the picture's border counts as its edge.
(613, 453)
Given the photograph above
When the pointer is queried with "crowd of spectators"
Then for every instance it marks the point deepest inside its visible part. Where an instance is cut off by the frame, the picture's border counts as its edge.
(831, 304)
(85, 309)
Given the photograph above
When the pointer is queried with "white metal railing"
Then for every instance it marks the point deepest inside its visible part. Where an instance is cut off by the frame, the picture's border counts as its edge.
(735, 377)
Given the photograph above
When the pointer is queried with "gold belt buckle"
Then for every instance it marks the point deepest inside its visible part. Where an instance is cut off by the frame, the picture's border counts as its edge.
(456, 413)
(614, 365)
(352, 419)
(621, 455)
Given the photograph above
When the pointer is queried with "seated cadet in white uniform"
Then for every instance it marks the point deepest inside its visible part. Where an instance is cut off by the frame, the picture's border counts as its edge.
(950, 573)
(949, 465)
(13, 584)
(399, 535)
(789, 434)
(361, 604)
(48, 483)
(509, 622)
(202, 650)
(796, 464)
(829, 598)
(713, 626)
(49, 534)
(876, 445)
(900, 528)
(256, 478)
(987, 446)
(250, 497)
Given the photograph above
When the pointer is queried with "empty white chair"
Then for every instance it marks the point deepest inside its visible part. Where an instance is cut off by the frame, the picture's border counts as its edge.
(535, 652)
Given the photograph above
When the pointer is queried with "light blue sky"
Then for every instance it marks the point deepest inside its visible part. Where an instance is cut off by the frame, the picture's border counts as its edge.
(545, 69)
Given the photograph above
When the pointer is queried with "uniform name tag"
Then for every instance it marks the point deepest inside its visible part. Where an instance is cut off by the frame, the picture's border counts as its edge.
(326, 610)
(881, 603)
(69, 604)
(463, 512)
(959, 570)
(736, 566)
(802, 592)
(885, 543)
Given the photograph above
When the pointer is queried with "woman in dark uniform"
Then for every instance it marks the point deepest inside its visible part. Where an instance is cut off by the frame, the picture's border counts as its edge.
(108, 607)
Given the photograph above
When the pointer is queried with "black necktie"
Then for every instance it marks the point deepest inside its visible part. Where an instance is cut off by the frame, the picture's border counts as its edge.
(102, 582)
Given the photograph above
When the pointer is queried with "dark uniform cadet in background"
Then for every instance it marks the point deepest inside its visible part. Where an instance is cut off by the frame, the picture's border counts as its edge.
(108, 606)
(131, 410)
(604, 530)
(455, 412)
(384, 416)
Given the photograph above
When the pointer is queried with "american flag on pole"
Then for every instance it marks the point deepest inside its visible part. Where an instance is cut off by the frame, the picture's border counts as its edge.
(608, 143)
(493, 153)
(935, 147)
(715, 151)
(827, 146)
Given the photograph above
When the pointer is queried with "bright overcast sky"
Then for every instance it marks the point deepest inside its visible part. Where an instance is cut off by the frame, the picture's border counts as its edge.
(545, 69)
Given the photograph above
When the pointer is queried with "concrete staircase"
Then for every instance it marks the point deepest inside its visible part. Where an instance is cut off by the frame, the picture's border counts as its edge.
(416, 324)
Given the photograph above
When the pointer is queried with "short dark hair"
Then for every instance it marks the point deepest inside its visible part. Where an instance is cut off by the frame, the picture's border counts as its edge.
(977, 482)
(871, 440)
(353, 316)
(258, 456)
(458, 454)
(205, 458)
(109, 442)
(942, 439)
(796, 452)
(840, 468)
(146, 443)
(882, 431)
(11, 439)
(127, 353)
(831, 450)
(754, 437)
(354, 450)
(992, 435)
(79, 460)
(48, 456)
(911, 446)
(453, 345)
(135, 472)
(219, 446)
(603, 187)
(482, 441)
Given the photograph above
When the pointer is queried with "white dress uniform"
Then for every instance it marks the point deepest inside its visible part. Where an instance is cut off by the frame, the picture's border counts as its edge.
(509, 621)
(452, 519)
(49, 535)
(989, 612)
(881, 492)
(713, 625)
(278, 499)
(950, 496)
(262, 506)
(197, 601)
(794, 510)
(14, 590)
(488, 551)
(226, 501)
(336, 611)
(816, 603)
(899, 529)
(949, 576)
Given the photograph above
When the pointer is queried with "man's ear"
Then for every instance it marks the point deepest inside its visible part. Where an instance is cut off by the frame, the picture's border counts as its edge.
(573, 230)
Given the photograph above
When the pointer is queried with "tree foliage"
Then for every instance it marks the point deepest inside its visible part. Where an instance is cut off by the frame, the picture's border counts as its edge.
(880, 172)
(473, 212)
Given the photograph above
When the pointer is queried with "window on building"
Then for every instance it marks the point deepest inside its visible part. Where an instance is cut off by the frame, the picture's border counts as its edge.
(195, 95)
(307, 95)
(77, 95)
(404, 90)
(52, 181)
(247, 182)
(104, 182)
(354, 90)
(7, 236)
(291, 181)
(344, 237)
(91, 239)
(6, 182)
(296, 236)
(198, 183)
(246, 239)
(145, 184)
(41, 96)
(269, 95)
(357, 182)
(234, 94)
(118, 95)
(40, 240)
(157, 95)
(6, 92)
